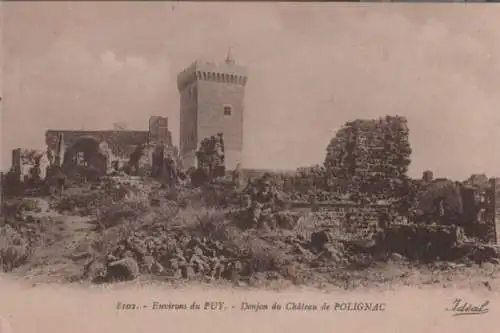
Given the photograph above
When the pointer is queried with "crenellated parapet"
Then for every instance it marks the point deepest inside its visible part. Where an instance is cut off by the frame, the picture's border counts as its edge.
(226, 73)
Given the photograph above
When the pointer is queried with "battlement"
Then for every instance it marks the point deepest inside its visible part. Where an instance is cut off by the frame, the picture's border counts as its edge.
(228, 73)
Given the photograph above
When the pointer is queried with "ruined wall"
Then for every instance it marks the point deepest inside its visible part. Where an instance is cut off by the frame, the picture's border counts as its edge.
(496, 191)
(346, 219)
(121, 143)
(158, 131)
(370, 157)
(30, 164)
(493, 209)
(116, 146)
(444, 194)
(2, 181)
(481, 210)
(427, 176)
(145, 163)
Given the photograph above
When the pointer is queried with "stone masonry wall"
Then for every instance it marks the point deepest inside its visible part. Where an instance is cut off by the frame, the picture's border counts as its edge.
(212, 101)
(493, 209)
(370, 157)
(346, 219)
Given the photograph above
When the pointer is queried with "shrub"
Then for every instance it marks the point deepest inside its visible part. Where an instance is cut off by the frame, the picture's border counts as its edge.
(13, 249)
(110, 212)
(16, 207)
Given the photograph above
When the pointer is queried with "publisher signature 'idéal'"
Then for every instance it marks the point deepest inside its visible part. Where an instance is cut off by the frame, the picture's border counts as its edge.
(461, 307)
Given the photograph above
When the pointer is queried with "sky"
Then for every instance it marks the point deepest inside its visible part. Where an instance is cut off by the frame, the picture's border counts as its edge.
(312, 67)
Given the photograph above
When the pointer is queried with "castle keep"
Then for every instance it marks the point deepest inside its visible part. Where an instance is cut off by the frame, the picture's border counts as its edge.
(211, 102)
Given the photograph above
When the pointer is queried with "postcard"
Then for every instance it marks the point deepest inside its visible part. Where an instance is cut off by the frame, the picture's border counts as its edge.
(249, 167)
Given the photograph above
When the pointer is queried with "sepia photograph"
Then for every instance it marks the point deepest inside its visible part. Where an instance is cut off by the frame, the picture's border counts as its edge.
(254, 165)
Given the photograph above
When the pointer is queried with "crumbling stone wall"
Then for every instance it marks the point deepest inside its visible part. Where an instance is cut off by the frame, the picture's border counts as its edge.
(2, 187)
(158, 131)
(30, 165)
(134, 152)
(119, 145)
(492, 210)
(116, 145)
(370, 157)
(422, 242)
(210, 155)
(470, 205)
(210, 158)
(441, 200)
(346, 219)
(309, 178)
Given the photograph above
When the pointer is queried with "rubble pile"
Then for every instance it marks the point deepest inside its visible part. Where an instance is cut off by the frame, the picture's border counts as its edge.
(181, 254)
(370, 157)
(216, 248)
(222, 193)
(432, 242)
(263, 207)
(174, 253)
(96, 198)
(477, 252)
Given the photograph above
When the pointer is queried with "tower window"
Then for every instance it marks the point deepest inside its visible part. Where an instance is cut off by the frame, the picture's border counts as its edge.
(228, 110)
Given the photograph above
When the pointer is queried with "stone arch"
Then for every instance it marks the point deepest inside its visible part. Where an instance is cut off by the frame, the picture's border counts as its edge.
(87, 156)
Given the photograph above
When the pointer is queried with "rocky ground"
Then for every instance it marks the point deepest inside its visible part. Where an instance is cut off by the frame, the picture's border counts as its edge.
(125, 229)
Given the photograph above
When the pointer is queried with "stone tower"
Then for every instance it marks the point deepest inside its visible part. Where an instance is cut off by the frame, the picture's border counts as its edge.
(212, 101)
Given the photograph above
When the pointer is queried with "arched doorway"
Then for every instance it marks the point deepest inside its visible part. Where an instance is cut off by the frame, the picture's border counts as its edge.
(85, 159)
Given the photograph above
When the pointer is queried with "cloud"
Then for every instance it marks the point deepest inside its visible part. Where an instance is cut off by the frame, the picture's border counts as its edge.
(110, 62)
